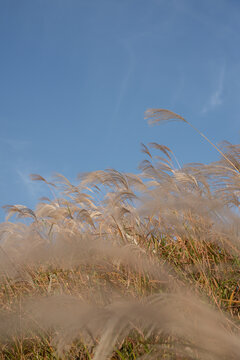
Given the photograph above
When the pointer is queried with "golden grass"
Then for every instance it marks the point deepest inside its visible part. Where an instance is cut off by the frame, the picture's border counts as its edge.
(149, 271)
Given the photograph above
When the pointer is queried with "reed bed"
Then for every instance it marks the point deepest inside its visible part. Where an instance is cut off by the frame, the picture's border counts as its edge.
(126, 266)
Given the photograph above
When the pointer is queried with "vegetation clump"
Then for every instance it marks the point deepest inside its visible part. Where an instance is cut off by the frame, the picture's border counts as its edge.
(126, 266)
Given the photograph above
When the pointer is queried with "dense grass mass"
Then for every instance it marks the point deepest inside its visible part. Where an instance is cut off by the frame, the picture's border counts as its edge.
(125, 266)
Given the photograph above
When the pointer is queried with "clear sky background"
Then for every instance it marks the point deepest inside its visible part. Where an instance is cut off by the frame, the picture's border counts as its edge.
(77, 75)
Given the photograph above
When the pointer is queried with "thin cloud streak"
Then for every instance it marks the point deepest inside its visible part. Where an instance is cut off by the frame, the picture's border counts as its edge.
(125, 81)
(216, 97)
(35, 189)
(16, 145)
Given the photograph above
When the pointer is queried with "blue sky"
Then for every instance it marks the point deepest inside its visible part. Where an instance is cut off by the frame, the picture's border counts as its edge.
(77, 75)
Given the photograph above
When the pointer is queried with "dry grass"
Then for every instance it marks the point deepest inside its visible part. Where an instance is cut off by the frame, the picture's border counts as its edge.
(126, 266)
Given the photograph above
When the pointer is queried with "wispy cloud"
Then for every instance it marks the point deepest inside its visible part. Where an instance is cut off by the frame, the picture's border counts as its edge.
(34, 189)
(16, 145)
(216, 96)
(125, 81)
(37, 189)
